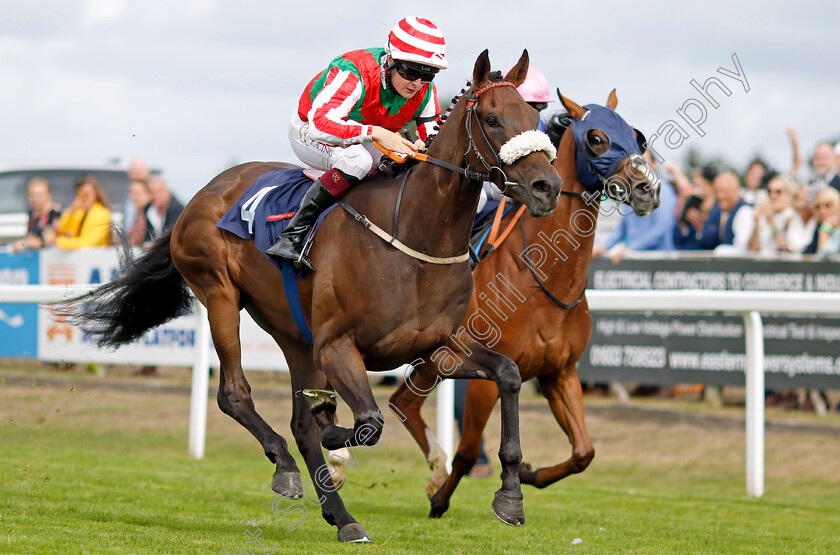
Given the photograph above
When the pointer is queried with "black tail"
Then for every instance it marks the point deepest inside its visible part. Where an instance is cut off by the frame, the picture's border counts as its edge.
(148, 292)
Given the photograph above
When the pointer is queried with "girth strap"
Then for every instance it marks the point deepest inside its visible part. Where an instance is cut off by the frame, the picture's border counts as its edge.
(291, 290)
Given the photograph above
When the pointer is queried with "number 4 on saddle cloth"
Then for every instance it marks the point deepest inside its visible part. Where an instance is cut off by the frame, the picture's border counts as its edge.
(265, 208)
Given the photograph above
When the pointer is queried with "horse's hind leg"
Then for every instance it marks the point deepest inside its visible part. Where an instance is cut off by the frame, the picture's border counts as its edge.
(234, 395)
(305, 375)
(565, 398)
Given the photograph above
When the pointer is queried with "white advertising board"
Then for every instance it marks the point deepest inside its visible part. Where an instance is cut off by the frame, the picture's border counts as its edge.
(172, 344)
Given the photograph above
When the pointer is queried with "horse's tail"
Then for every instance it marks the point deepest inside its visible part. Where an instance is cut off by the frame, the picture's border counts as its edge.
(148, 292)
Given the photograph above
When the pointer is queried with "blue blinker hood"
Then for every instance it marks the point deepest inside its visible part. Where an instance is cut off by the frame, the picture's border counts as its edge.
(623, 143)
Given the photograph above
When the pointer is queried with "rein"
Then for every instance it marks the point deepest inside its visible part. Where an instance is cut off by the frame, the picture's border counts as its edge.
(468, 172)
(542, 286)
(494, 239)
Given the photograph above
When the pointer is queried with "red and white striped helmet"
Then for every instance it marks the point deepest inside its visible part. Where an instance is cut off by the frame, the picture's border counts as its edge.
(415, 39)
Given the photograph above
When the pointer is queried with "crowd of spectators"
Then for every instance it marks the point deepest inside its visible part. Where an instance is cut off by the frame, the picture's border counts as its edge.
(762, 211)
(150, 211)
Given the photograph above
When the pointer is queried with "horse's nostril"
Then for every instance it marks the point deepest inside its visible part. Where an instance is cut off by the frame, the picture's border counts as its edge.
(643, 189)
(541, 187)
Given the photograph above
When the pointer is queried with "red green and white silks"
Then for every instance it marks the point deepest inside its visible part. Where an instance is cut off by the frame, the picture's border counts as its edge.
(342, 102)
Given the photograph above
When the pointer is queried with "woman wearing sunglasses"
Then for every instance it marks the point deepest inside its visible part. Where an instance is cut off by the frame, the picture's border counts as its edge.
(773, 217)
(362, 96)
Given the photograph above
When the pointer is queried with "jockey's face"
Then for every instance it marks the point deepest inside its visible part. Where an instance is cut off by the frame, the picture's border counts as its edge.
(405, 88)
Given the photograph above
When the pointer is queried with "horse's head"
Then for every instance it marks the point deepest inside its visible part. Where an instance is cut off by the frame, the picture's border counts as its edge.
(502, 138)
(609, 155)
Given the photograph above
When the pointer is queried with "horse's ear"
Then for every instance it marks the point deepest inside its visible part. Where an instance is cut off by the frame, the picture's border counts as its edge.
(612, 100)
(519, 72)
(574, 110)
(481, 69)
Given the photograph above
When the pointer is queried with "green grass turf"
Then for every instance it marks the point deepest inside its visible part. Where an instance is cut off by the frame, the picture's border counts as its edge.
(81, 484)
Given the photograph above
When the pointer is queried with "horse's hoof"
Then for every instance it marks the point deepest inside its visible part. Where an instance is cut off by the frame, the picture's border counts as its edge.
(338, 470)
(438, 507)
(353, 533)
(526, 475)
(320, 399)
(508, 510)
(436, 481)
(287, 484)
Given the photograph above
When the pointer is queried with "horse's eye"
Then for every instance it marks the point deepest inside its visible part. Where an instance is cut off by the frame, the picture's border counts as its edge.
(596, 140)
(492, 121)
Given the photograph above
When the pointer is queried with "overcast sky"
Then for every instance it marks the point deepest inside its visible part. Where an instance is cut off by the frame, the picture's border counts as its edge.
(196, 85)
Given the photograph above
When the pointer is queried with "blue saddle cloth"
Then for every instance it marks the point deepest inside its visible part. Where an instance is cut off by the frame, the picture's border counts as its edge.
(276, 193)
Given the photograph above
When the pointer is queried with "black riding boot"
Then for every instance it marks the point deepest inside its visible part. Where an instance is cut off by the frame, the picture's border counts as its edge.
(289, 245)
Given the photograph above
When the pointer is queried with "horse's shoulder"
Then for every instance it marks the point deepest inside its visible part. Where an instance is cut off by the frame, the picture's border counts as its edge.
(375, 191)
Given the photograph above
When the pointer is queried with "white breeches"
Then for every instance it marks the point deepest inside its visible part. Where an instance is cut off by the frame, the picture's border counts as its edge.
(355, 160)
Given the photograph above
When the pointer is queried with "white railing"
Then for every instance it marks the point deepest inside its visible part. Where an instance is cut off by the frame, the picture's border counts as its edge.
(749, 303)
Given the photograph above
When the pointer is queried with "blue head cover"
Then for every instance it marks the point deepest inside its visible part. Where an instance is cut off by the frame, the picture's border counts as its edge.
(623, 143)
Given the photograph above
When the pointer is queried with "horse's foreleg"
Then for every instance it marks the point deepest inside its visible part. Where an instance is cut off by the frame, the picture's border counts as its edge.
(305, 375)
(408, 399)
(345, 370)
(234, 395)
(565, 398)
(477, 361)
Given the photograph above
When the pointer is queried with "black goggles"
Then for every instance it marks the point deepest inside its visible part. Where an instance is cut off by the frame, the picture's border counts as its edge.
(412, 71)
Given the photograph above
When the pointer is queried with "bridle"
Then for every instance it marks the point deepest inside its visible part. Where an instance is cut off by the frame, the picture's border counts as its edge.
(612, 187)
(521, 145)
(518, 146)
(472, 103)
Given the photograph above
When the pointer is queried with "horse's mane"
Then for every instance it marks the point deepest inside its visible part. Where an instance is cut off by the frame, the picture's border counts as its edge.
(392, 168)
(556, 126)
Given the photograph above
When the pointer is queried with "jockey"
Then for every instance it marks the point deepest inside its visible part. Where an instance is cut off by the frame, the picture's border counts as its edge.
(535, 91)
(363, 96)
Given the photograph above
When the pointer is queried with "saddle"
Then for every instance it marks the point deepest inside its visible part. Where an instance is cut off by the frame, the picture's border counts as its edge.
(265, 208)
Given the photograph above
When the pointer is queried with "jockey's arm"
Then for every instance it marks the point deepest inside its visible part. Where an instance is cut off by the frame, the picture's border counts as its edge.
(330, 122)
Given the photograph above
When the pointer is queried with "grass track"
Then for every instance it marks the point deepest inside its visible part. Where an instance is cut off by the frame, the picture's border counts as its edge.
(107, 472)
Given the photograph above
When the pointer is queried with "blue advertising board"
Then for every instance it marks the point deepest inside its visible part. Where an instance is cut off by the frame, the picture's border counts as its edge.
(18, 322)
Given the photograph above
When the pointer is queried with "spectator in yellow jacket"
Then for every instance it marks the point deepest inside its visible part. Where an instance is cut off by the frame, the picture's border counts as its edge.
(86, 222)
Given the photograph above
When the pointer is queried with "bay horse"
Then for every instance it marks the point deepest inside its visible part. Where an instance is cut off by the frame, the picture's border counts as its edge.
(532, 289)
(369, 305)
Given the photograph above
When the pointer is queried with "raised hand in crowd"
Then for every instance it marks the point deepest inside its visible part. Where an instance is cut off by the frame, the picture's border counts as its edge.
(794, 145)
